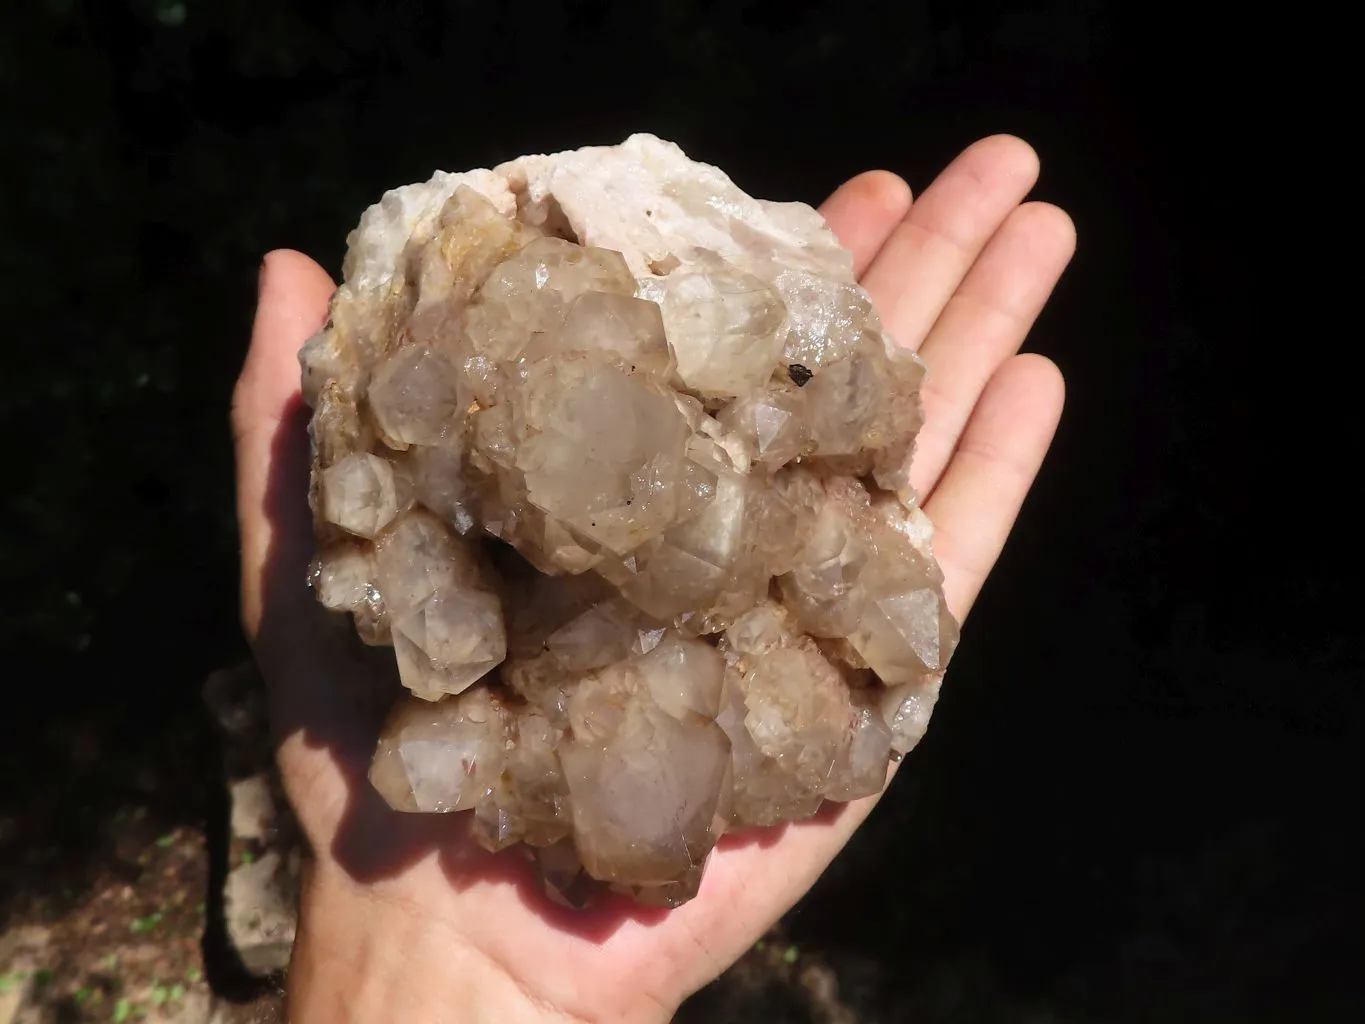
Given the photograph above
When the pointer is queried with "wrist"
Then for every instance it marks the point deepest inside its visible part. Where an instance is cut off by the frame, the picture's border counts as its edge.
(361, 960)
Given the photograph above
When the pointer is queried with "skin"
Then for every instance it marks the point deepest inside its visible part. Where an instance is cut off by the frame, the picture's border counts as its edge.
(403, 918)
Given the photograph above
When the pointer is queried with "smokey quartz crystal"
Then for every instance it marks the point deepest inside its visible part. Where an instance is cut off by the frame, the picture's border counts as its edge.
(614, 457)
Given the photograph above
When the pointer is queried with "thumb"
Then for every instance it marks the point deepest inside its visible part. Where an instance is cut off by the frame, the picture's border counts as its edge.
(321, 743)
(269, 431)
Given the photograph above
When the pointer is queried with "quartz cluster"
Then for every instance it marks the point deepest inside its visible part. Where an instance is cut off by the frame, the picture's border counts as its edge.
(614, 456)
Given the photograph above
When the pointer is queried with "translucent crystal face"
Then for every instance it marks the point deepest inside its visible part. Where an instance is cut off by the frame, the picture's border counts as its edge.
(614, 457)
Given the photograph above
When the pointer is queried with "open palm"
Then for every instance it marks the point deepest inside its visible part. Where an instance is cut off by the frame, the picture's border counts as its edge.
(959, 275)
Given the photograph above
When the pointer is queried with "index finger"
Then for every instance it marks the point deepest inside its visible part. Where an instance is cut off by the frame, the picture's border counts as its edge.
(863, 212)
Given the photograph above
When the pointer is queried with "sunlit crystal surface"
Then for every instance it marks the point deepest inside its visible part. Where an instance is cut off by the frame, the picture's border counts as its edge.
(615, 458)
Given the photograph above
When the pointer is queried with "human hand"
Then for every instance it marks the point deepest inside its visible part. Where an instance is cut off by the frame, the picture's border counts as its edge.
(403, 917)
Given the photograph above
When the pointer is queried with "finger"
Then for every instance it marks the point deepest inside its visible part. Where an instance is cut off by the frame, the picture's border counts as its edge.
(292, 305)
(984, 324)
(303, 669)
(929, 253)
(864, 211)
(984, 486)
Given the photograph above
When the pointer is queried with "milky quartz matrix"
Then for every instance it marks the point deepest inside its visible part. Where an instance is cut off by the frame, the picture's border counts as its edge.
(614, 456)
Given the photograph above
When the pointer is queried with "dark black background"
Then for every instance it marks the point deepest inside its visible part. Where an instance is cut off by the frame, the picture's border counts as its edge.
(1134, 802)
